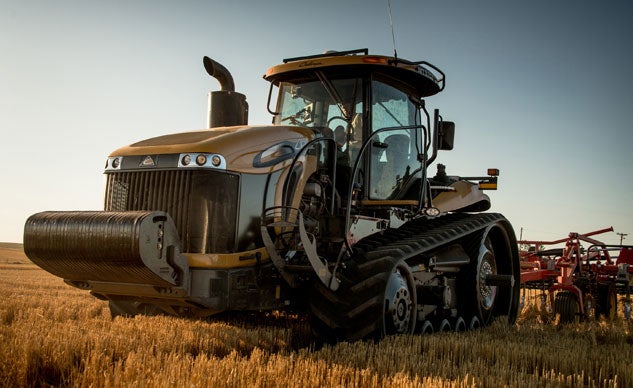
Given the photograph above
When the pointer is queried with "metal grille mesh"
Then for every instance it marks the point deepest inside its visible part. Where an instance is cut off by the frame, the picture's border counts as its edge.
(152, 190)
(203, 204)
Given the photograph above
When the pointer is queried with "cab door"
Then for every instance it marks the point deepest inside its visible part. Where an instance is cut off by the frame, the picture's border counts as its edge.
(396, 140)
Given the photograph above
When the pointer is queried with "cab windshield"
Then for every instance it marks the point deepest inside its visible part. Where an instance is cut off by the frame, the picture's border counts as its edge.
(331, 106)
(334, 107)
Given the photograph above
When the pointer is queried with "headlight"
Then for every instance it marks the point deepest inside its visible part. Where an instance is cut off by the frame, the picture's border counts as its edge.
(113, 163)
(201, 160)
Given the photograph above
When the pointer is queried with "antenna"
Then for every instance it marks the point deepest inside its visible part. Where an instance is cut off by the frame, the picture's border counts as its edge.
(393, 35)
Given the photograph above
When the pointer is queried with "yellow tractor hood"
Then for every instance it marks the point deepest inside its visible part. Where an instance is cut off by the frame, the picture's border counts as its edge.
(238, 145)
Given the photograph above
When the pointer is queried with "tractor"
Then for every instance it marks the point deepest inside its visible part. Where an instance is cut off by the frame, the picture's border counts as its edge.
(329, 211)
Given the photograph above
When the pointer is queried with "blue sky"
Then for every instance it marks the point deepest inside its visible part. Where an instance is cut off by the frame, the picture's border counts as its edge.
(538, 89)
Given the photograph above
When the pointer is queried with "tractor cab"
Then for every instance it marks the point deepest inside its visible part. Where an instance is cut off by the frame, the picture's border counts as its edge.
(372, 106)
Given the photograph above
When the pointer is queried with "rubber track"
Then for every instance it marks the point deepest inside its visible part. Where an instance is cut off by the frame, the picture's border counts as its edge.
(424, 235)
(355, 310)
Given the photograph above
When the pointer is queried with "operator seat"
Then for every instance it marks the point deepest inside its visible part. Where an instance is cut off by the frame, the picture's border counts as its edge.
(391, 172)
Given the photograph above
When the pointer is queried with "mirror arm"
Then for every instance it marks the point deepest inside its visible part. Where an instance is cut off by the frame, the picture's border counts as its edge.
(436, 119)
(270, 93)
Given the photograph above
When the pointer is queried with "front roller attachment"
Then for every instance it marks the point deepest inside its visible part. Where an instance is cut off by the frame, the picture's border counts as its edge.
(110, 253)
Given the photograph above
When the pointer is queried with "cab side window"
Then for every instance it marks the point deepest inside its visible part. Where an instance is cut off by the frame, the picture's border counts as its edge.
(393, 151)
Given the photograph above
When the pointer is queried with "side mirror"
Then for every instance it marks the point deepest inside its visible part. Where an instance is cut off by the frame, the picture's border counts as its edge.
(446, 135)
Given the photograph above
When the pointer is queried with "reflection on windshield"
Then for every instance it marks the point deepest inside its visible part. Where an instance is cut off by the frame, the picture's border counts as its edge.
(394, 156)
(318, 102)
(334, 108)
(331, 106)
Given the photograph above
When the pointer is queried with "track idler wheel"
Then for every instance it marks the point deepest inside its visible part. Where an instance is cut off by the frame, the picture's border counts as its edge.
(400, 301)
(491, 280)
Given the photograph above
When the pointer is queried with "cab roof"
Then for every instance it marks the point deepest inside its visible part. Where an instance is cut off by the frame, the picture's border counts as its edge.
(423, 77)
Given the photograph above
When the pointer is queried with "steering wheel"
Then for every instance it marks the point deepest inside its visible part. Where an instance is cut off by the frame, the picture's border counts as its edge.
(292, 118)
(337, 118)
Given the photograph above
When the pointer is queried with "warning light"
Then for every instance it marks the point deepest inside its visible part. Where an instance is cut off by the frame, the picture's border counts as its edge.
(375, 60)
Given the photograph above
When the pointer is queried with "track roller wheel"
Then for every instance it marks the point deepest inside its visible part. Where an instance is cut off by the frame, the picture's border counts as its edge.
(460, 324)
(607, 302)
(445, 325)
(427, 328)
(379, 300)
(566, 305)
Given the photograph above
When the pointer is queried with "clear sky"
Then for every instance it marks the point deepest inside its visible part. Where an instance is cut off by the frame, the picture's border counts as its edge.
(538, 89)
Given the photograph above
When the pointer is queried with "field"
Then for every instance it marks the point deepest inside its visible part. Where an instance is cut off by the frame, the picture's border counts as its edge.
(54, 335)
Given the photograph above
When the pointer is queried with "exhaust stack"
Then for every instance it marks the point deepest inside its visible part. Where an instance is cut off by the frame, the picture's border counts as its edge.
(226, 106)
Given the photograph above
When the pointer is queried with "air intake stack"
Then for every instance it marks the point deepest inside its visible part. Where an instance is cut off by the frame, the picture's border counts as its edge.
(226, 106)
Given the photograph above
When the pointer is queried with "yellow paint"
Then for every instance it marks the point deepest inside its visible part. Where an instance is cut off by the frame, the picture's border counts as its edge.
(226, 260)
(347, 60)
(238, 145)
(487, 186)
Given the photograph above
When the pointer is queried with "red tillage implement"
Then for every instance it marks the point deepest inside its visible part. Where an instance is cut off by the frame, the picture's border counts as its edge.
(581, 283)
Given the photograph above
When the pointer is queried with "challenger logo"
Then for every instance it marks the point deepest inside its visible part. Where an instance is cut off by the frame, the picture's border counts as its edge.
(148, 161)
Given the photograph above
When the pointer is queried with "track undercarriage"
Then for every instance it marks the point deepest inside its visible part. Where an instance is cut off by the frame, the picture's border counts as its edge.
(456, 272)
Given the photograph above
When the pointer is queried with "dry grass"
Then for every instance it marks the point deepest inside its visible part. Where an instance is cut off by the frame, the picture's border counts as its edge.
(53, 334)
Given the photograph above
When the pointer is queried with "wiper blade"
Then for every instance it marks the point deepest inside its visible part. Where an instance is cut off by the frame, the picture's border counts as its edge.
(336, 97)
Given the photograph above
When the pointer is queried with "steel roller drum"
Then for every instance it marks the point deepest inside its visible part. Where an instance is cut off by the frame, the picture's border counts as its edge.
(139, 247)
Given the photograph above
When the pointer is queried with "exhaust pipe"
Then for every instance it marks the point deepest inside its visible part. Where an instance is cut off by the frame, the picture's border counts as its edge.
(226, 106)
(219, 72)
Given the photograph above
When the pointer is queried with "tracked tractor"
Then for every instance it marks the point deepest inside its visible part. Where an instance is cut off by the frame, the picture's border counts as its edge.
(329, 211)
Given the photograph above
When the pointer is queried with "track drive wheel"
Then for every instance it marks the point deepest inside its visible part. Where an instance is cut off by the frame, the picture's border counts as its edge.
(607, 302)
(377, 299)
(566, 305)
(492, 256)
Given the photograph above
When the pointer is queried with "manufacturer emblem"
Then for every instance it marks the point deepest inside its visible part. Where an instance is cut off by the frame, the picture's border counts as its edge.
(148, 162)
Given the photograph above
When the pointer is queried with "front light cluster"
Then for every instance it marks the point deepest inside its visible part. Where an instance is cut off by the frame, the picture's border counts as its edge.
(113, 163)
(201, 160)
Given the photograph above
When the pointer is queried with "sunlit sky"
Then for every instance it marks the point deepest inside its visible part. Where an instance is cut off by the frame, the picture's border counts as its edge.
(538, 89)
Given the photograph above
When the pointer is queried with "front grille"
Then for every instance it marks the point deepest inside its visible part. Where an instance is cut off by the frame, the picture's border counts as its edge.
(198, 201)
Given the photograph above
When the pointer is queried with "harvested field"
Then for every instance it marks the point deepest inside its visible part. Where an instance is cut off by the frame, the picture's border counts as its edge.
(53, 334)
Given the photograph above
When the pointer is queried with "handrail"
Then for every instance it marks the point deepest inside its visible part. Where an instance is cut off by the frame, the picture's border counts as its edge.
(302, 151)
(364, 51)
